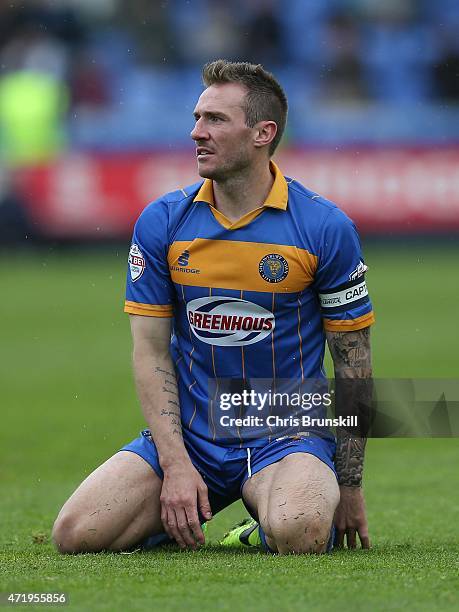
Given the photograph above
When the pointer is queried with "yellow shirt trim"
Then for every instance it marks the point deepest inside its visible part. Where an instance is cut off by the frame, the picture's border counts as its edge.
(350, 324)
(277, 198)
(148, 310)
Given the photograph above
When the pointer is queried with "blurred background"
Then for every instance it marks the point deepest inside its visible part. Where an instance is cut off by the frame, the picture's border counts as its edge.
(96, 103)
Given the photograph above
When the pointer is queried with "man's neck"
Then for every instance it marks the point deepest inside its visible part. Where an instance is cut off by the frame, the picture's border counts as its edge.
(239, 195)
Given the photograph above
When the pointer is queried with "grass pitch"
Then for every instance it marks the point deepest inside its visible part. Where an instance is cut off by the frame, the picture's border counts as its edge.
(68, 403)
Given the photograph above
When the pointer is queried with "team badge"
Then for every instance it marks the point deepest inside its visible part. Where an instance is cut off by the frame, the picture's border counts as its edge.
(136, 262)
(273, 268)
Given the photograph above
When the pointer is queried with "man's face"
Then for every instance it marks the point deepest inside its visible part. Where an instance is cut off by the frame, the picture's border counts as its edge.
(224, 143)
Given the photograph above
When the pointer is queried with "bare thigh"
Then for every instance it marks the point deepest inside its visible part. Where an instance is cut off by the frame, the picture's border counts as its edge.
(114, 508)
(295, 500)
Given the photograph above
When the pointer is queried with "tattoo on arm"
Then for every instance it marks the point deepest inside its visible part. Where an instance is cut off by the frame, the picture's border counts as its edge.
(351, 353)
(159, 370)
(169, 413)
(170, 387)
(172, 391)
(352, 361)
(350, 453)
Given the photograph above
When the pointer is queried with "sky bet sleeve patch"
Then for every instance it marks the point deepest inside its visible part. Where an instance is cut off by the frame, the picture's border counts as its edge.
(149, 289)
(136, 262)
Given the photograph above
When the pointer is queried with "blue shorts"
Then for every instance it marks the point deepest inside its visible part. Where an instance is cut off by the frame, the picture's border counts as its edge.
(225, 469)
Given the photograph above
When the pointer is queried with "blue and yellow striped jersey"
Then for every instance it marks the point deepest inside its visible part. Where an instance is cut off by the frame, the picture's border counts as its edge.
(250, 299)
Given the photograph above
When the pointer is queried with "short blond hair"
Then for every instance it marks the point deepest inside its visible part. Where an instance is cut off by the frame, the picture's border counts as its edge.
(265, 99)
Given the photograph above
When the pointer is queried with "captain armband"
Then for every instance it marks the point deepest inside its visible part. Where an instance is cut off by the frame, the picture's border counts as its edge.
(349, 295)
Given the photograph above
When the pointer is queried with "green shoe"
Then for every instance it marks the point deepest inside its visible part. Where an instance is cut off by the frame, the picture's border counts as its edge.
(243, 534)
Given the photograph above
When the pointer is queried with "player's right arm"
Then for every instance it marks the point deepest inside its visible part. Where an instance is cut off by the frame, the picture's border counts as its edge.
(183, 490)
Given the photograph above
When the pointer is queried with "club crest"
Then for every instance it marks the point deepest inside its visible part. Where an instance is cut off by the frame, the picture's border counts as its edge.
(273, 268)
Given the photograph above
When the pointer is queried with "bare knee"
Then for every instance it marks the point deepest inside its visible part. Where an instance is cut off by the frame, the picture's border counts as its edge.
(71, 536)
(115, 507)
(299, 534)
(63, 534)
(67, 535)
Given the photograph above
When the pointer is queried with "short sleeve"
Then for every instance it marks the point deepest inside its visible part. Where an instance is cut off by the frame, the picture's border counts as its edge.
(340, 277)
(149, 288)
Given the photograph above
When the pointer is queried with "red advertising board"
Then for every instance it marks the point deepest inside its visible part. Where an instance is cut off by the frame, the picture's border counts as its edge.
(391, 191)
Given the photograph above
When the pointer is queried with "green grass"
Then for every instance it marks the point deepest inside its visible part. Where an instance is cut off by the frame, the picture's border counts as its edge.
(68, 402)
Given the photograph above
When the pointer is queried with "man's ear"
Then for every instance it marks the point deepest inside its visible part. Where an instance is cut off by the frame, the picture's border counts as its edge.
(264, 133)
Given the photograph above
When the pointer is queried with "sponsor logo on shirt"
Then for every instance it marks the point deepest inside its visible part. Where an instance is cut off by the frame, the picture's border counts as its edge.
(333, 301)
(183, 259)
(359, 271)
(273, 268)
(136, 262)
(226, 321)
(183, 262)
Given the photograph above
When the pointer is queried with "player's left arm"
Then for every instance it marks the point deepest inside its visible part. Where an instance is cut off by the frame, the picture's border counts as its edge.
(351, 354)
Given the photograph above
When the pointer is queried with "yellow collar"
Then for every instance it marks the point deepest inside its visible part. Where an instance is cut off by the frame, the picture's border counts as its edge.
(277, 197)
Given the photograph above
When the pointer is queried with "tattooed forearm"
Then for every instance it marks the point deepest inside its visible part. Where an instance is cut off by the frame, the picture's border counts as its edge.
(351, 355)
(350, 453)
(169, 377)
(156, 382)
(169, 381)
(170, 387)
(169, 413)
(172, 391)
(174, 419)
(159, 370)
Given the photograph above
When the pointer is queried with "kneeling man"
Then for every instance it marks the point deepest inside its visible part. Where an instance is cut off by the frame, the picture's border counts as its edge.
(240, 276)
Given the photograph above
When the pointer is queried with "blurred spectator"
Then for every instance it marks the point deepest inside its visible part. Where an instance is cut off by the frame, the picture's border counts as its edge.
(53, 20)
(32, 106)
(125, 61)
(205, 29)
(149, 24)
(397, 53)
(33, 97)
(342, 77)
(88, 83)
(39, 42)
(36, 41)
(15, 225)
(389, 11)
(263, 34)
(446, 69)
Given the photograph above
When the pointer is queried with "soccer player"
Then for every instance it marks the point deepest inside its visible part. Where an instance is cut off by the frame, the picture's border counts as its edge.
(240, 276)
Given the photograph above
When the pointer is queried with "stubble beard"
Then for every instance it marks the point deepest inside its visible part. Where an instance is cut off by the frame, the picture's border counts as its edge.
(229, 170)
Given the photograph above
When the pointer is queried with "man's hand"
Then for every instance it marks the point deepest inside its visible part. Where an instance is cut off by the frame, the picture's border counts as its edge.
(351, 518)
(182, 494)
